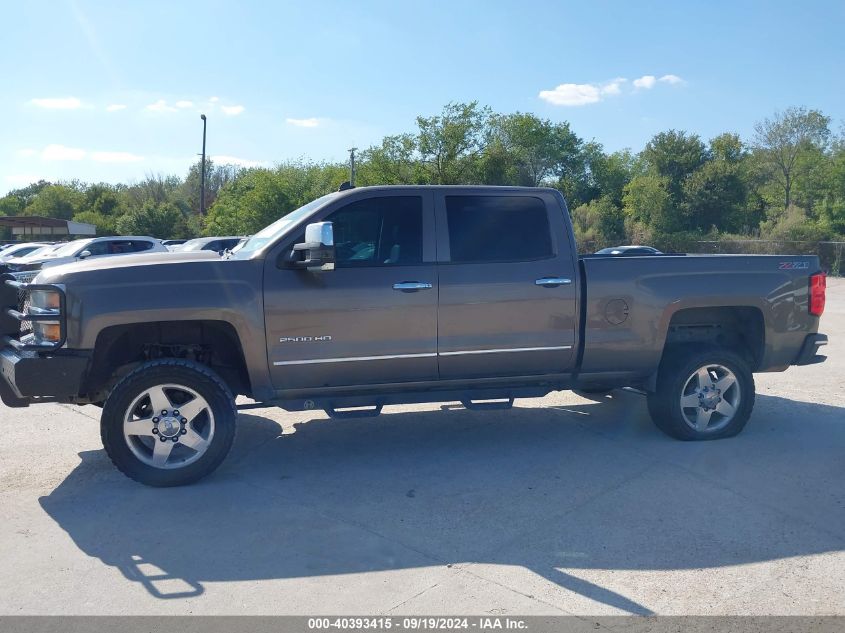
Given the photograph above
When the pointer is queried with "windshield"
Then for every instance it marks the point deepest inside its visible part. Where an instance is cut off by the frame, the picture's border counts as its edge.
(38, 252)
(69, 249)
(18, 251)
(279, 227)
(193, 245)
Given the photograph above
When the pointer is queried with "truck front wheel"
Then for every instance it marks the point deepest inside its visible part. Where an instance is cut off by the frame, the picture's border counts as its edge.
(169, 422)
(702, 395)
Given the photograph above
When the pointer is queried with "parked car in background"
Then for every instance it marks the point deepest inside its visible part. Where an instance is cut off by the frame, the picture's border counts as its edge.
(172, 245)
(217, 244)
(629, 250)
(92, 248)
(20, 250)
(38, 252)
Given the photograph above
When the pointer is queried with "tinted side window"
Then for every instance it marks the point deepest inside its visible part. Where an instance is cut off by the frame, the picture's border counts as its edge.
(498, 229)
(120, 247)
(379, 232)
(98, 248)
(141, 245)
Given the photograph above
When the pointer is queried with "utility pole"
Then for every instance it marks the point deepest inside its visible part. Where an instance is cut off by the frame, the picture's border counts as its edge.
(202, 173)
(352, 151)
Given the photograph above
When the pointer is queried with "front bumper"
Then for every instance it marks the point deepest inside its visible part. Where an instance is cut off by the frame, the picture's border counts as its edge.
(809, 350)
(30, 370)
(28, 375)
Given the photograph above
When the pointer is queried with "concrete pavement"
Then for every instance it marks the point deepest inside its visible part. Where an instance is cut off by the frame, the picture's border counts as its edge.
(562, 505)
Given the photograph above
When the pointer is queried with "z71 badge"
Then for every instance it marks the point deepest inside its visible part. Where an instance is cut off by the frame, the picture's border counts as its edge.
(793, 265)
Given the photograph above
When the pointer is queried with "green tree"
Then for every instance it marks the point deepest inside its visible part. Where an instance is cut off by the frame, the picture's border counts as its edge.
(257, 198)
(394, 162)
(103, 199)
(674, 155)
(602, 174)
(537, 148)
(55, 201)
(216, 177)
(11, 205)
(104, 224)
(782, 139)
(27, 194)
(648, 202)
(450, 144)
(163, 220)
(715, 195)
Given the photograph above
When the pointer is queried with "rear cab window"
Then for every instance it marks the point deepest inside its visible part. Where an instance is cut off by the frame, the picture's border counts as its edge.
(487, 229)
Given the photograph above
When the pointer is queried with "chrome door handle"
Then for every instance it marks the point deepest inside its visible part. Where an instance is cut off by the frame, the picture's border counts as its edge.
(552, 282)
(411, 286)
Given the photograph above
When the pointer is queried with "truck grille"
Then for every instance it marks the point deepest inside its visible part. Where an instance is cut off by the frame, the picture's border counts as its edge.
(23, 306)
(26, 277)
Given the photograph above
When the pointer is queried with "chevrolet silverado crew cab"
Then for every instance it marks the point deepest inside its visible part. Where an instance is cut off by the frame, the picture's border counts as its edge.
(375, 296)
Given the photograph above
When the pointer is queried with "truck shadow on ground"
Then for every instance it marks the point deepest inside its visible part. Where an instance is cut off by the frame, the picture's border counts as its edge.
(559, 490)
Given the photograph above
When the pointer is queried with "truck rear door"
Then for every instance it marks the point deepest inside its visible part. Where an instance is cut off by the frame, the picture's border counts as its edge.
(507, 284)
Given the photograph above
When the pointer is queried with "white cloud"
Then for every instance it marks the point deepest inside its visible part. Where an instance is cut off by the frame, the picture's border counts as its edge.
(310, 122)
(26, 152)
(645, 82)
(58, 103)
(232, 110)
(613, 87)
(160, 106)
(582, 94)
(115, 107)
(571, 95)
(214, 99)
(115, 157)
(61, 152)
(234, 160)
(184, 104)
(671, 79)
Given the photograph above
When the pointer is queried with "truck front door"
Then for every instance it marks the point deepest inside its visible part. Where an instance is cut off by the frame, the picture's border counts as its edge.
(371, 320)
(507, 285)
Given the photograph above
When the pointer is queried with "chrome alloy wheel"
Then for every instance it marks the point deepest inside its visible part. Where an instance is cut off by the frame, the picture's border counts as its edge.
(168, 426)
(710, 398)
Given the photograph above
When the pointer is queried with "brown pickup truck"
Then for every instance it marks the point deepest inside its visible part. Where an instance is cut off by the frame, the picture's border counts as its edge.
(387, 295)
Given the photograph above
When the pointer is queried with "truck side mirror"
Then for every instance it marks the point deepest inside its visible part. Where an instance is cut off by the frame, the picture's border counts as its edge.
(318, 248)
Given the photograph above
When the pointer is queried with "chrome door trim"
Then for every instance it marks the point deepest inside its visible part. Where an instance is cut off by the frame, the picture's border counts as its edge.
(506, 350)
(312, 361)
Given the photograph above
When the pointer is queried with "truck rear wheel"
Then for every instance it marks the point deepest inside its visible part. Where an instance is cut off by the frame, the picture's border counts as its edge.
(702, 394)
(169, 422)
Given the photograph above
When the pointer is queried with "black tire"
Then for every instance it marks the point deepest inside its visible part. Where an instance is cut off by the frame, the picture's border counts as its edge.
(676, 369)
(194, 376)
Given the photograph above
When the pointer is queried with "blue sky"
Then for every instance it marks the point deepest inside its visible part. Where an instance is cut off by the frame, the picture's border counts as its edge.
(112, 90)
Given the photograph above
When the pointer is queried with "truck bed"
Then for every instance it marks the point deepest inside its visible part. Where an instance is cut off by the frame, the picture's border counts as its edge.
(629, 304)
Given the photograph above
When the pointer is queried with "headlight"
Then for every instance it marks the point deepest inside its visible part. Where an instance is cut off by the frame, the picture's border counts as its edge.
(46, 303)
(45, 300)
(47, 332)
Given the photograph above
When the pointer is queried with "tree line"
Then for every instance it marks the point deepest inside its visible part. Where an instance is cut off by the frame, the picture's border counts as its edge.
(786, 182)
